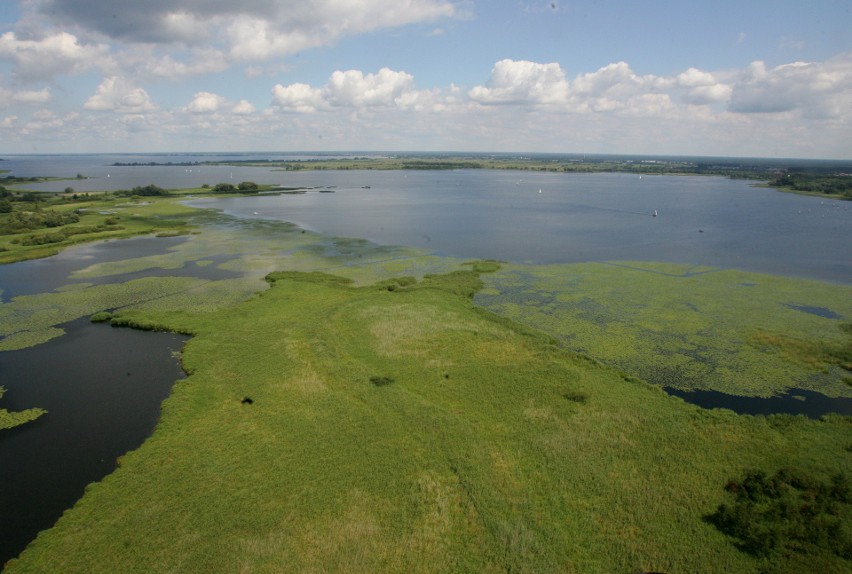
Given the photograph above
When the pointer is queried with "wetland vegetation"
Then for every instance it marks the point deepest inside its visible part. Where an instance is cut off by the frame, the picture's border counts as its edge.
(352, 406)
(12, 419)
(470, 453)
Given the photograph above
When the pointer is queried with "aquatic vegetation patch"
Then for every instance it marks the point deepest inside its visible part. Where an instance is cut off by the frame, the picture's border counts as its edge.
(90, 225)
(816, 354)
(32, 319)
(685, 327)
(12, 419)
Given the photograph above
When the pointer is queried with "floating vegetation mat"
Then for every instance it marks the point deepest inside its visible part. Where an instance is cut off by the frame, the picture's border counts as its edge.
(686, 327)
(220, 265)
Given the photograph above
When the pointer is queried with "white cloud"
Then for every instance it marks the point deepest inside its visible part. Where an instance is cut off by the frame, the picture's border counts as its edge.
(702, 87)
(812, 89)
(351, 89)
(8, 97)
(523, 82)
(8, 122)
(57, 54)
(205, 102)
(243, 108)
(116, 94)
(297, 97)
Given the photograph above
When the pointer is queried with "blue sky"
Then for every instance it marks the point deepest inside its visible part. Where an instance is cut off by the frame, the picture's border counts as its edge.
(747, 78)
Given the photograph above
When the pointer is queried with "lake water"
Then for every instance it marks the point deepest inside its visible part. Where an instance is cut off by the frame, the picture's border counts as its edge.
(564, 218)
(98, 404)
(516, 216)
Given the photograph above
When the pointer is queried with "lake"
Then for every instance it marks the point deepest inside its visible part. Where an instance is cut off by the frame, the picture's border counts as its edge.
(565, 218)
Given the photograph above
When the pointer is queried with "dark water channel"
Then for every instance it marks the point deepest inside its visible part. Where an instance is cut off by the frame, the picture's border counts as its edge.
(44, 275)
(102, 388)
(794, 402)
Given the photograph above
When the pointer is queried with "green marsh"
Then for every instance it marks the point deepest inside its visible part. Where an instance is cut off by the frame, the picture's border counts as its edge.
(371, 408)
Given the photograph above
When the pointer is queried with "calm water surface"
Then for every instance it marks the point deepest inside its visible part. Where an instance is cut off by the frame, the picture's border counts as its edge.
(564, 218)
(102, 388)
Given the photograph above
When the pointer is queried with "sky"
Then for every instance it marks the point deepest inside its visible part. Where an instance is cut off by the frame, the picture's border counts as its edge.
(752, 78)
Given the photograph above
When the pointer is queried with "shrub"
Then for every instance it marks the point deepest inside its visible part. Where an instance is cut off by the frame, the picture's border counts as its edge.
(790, 511)
(381, 381)
(44, 238)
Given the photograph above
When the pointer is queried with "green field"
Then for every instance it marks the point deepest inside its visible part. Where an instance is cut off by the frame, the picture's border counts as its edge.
(365, 410)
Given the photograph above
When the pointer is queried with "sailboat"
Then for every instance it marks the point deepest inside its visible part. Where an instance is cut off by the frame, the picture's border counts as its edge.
(655, 213)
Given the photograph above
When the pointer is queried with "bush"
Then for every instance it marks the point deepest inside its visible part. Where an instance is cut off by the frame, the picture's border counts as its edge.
(150, 190)
(44, 239)
(247, 186)
(790, 511)
(381, 381)
(224, 187)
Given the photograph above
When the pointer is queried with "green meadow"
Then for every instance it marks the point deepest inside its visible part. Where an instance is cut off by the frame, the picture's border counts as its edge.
(353, 407)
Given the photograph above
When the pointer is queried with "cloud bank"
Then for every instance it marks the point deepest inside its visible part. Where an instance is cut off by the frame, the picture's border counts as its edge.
(106, 74)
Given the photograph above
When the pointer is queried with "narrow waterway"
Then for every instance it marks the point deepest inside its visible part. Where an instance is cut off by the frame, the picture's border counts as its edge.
(102, 388)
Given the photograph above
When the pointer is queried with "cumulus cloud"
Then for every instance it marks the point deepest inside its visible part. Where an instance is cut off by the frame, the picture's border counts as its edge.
(243, 108)
(523, 82)
(116, 94)
(611, 88)
(297, 97)
(44, 58)
(702, 87)
(205, 102)
(814, 89)
(350, 89)
(353, 88)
